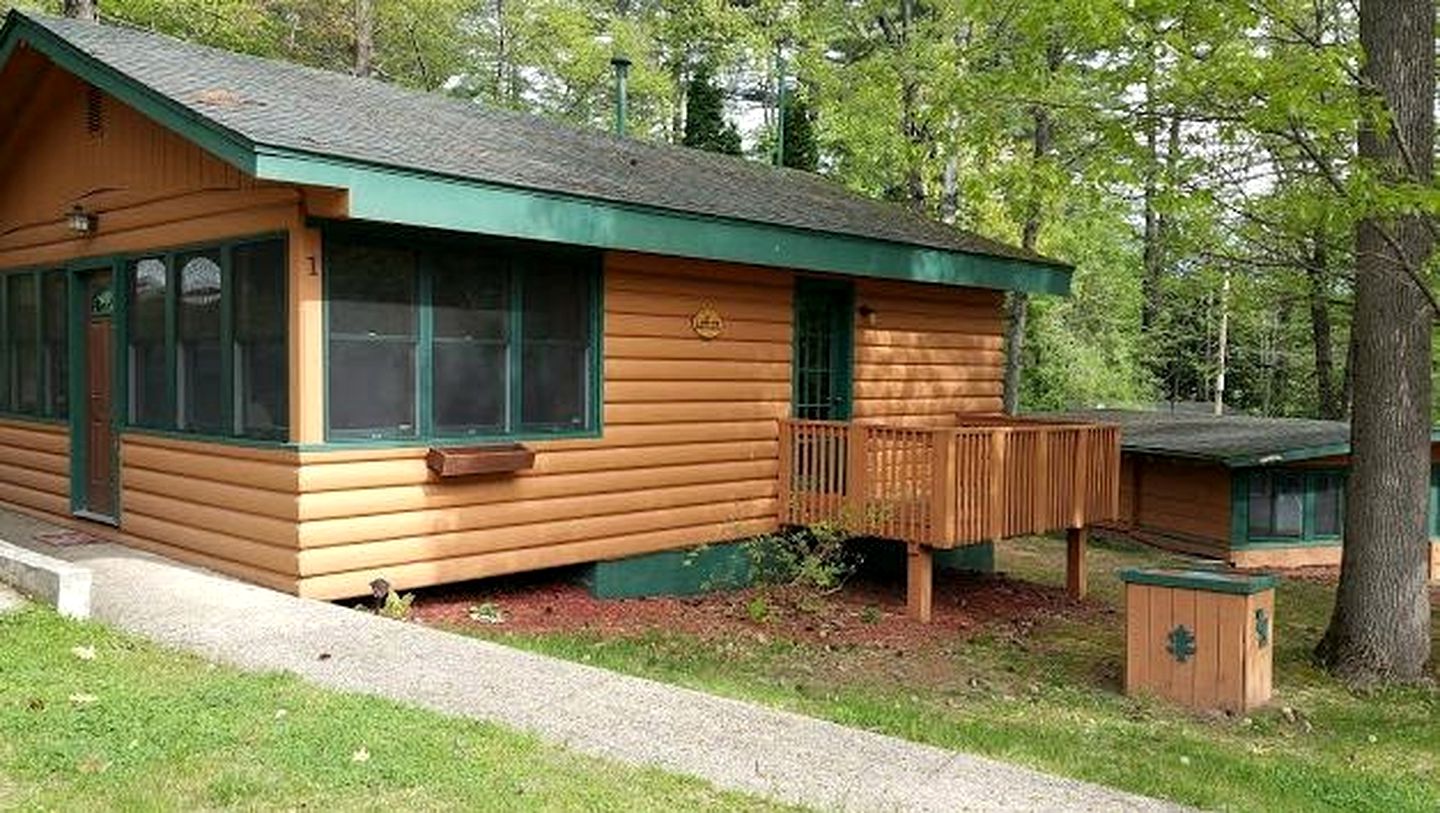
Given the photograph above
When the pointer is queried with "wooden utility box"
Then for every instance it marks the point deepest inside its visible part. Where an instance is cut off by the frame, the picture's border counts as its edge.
(1202, 638)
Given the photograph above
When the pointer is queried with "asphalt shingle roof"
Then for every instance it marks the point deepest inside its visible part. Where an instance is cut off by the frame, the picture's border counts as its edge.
(1223, 438)
(286, 106)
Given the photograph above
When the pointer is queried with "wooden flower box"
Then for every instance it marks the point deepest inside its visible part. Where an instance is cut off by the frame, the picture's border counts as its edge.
(1200, 638)
(467, 461)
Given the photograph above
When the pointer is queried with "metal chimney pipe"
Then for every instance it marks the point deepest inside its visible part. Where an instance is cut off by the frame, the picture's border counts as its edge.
(622, 100)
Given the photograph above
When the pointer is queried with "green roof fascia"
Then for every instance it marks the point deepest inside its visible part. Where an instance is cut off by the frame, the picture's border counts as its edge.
(1299, 453)
(225, 144)
(395, 195)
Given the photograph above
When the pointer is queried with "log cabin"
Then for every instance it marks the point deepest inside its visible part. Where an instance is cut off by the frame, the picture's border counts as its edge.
(311, 330)
(1250, 491)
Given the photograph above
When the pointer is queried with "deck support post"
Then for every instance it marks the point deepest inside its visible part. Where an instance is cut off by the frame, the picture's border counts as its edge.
(919, 582)
(1075, 575)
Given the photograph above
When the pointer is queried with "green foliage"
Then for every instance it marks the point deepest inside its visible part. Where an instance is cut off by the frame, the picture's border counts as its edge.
(705, 125)
(801, 151)
(813, 558)
(397, 606)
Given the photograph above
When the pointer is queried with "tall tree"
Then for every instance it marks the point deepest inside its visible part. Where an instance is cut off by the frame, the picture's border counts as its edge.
(364, 37)
(801, 151)
(705, 125)
(1380, 628)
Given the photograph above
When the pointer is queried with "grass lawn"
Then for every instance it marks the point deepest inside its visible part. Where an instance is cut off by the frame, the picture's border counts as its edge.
(1047, 694)
(136, 727)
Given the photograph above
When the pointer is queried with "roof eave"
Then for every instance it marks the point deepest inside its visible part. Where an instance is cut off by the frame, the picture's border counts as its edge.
(398, 195)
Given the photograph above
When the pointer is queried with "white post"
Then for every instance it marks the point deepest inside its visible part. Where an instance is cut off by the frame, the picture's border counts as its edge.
(1224, 338)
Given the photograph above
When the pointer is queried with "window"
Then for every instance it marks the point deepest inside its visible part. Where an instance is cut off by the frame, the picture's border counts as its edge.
(373, 338)
(1296, 505)
(207, 341)
(1277, 504)
(149, 282)
(55, 345)
(1329, 490)
(33, 344)
(459, 341)
(261, 355)
(199, 374)
(22, 321)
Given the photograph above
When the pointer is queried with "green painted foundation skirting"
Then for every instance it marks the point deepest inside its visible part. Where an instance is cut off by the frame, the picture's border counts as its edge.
(722, 566)
(730, 566)
(976, 558)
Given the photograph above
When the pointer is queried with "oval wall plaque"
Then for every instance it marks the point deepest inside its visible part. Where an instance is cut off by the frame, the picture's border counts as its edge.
(707, 323)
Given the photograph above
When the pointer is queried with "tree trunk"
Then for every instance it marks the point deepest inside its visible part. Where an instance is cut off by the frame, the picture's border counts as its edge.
(1318, 275)
(1017, 303)
(1380, 628)
(950, 191)
(82, 9)
(1222, 345)
(364, 37)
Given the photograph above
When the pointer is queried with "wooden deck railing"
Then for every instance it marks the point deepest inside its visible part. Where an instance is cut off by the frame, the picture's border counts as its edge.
(986, 479)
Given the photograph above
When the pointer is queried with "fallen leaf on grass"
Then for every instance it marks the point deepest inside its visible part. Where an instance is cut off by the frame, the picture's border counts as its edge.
(81, 699)
(362, 755)
(84, 653)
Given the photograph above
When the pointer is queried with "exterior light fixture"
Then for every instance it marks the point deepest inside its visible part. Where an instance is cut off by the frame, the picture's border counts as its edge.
(81, 221)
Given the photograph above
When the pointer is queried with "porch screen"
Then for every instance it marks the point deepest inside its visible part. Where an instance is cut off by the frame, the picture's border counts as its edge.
(34, 344)
(445, 340)
(206, 339)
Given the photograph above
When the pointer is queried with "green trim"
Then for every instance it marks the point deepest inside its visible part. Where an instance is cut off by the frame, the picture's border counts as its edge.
(395, 195)
(1210, 581)
(425, 435)
(704, 569)
(839, 296)
(398, 195)
(1241, 539)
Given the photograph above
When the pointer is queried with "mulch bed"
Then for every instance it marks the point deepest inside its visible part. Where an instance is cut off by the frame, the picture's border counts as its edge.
(867, 612)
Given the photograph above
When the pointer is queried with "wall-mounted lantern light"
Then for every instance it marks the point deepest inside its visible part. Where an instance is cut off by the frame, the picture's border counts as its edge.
(867, 314)
(81, 221)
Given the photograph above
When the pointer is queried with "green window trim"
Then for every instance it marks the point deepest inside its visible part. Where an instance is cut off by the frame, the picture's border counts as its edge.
(425, 244)
(1312, 479)
(168, 426)
(51, 386)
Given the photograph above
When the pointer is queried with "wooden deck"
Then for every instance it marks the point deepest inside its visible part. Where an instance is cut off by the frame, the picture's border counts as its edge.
(982, 480)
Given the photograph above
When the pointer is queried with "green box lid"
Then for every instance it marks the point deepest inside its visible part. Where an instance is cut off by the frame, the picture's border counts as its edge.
(1212, 581)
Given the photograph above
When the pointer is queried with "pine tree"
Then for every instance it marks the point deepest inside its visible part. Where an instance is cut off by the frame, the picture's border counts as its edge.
(705, 124)
(800, 149)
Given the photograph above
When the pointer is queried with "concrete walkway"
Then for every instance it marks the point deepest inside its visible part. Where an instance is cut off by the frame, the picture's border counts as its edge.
(732, 744)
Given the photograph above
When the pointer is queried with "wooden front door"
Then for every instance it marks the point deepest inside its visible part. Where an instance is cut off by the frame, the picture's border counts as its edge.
(98, 500)
(824, 352)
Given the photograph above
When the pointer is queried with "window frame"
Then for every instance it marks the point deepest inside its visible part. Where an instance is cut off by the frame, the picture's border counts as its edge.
(1311, 480)
(508, 254)
(232, 432)
(45, 410)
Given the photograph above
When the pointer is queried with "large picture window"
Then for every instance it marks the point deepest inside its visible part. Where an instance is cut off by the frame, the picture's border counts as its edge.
(33, 344)
(206, 341)
(460, 341)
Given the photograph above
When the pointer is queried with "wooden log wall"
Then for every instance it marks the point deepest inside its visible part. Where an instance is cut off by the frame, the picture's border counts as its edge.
(1185, 500)
(689, 452)
(925, 354)
(35, 466)
(221, 506)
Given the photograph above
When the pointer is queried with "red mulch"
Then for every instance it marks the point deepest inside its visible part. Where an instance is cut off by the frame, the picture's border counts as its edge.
(865, 612)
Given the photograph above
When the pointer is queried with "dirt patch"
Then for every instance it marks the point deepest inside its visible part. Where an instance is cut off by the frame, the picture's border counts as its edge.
(867, 612)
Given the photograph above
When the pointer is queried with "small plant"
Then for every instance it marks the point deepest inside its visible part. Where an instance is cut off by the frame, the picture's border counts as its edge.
(397, 606)
(871, 614)
(487, 613)
(758, 609)
(814, 558)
